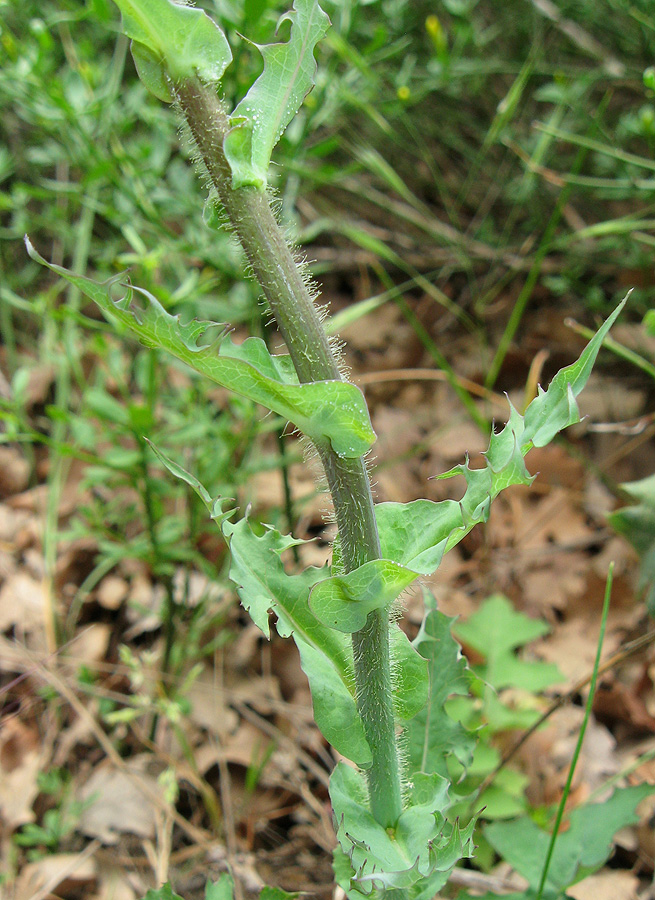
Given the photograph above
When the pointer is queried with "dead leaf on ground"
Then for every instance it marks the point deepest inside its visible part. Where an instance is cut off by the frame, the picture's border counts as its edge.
(608, 884)
(20, 763)
(114, 804)
(62, 874)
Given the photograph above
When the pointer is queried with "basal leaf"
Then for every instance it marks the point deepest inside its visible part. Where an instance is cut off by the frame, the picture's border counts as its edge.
(432, 736)
(330, 410)
(262, 116)
(172, 41)
(415, 856)
(579, 850)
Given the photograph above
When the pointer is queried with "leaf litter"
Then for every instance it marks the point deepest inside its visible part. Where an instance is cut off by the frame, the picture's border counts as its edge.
(248, 767)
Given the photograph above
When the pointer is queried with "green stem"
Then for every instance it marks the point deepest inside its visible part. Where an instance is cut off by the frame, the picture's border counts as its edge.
(292, 303)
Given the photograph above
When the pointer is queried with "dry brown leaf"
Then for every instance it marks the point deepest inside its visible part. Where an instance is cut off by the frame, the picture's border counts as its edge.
(14, 471)
(20, 763)
(61, 874)
(115, 803)
(208, 707)
(22, 603)
(608, 884)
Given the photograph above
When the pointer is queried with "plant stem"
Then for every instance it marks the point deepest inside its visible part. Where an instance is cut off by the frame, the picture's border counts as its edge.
(292, 303)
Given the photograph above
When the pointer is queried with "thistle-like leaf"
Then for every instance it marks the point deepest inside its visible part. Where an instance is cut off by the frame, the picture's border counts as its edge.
(325, 655)
(414, 536)
(262, 116)
(329, 410)
(432, 736)
(415, 856)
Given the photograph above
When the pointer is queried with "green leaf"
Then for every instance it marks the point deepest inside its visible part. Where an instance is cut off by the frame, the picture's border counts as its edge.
(417, 534)
(325, 654)
(165, 892)
(579, 851)
(432, 736)
(275, 893)
(418, 853)
(637, 524)
(214, 506)
(262, 116)
(343, 602)
(333, 411)
(173, 41)
(223, 889)
(409, 676)
(495, 630)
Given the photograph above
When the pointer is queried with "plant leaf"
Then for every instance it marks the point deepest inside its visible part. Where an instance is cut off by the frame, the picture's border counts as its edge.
(343, 602)
(417, 534)
(418, 853)
(261, 117)
(495, 630)
(637, 524)
(409, 676)
(173, 41)
(333, 411)
(579, 851)
(325, 654)
(432, 736)
(223, 889)
(165, 892)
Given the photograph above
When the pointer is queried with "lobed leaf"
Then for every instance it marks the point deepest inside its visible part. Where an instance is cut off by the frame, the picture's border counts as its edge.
(495, 630)
(414, 536)
(417, 534)
(325, 655)
(579, 851)
(262, 116)
(171, 41)
(432, 736)
(415, 856)
(333, 411)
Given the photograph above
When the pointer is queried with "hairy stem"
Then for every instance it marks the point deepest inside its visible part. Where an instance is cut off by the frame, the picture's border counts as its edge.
(292, 303)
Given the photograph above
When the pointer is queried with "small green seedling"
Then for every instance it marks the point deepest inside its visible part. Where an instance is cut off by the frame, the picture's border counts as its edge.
(378, 698)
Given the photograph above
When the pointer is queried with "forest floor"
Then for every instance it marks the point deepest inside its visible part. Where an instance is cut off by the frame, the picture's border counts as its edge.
(251, 767)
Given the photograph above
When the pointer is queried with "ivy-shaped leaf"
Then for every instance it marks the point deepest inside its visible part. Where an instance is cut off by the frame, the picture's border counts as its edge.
(262, 116)
(173, 41)
(579, 850)
(328, 410)
(495, 631)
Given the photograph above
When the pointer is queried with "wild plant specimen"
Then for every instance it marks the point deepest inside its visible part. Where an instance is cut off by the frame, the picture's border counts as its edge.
(368, 681)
